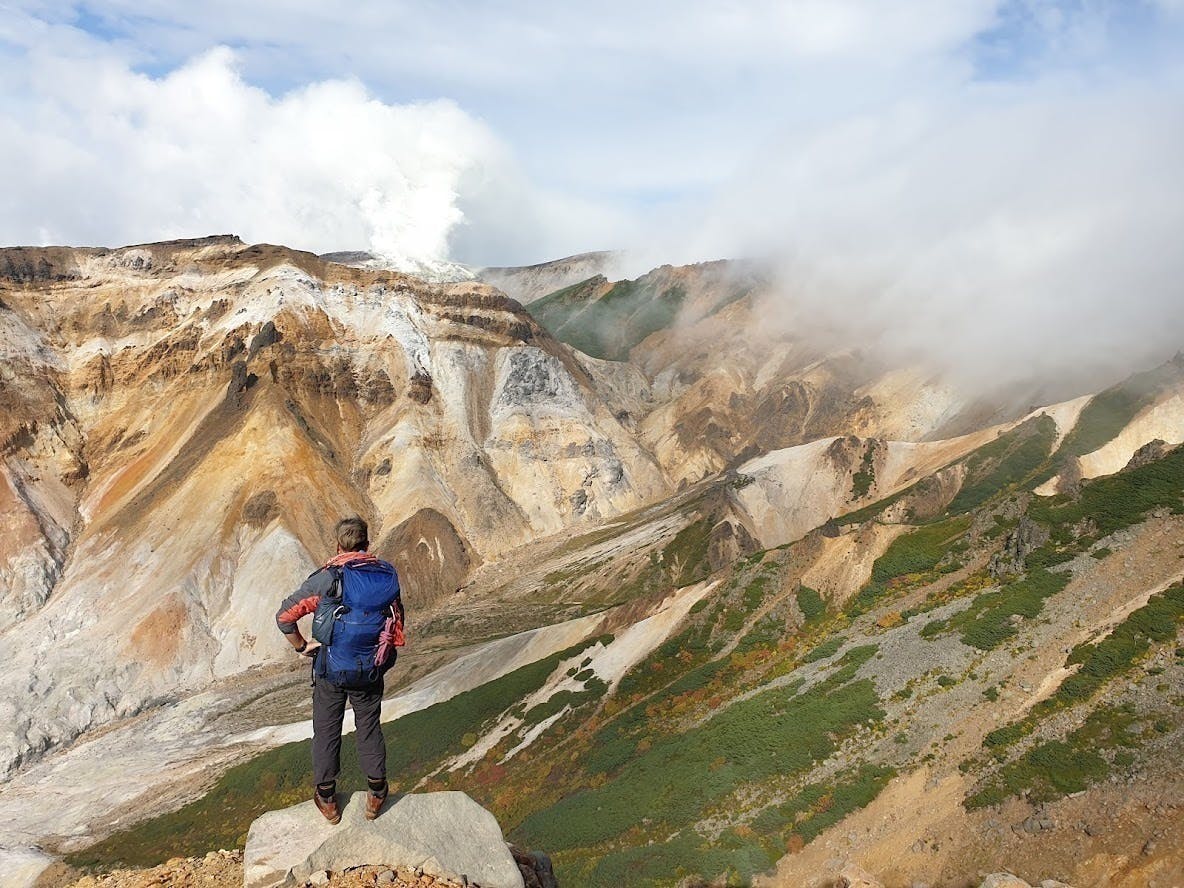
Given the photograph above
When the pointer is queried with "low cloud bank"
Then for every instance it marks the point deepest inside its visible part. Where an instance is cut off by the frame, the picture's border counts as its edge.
(999, 234)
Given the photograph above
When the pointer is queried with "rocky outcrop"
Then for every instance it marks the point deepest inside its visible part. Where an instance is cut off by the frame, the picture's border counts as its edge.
(1017, 545)
(1003, 880)
(1007, 880)
(536, 868)
(433, 560)
(1148, 453)
(443, 834)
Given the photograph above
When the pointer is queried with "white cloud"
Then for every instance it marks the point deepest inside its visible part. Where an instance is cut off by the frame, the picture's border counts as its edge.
(604, 106)
(106, 155)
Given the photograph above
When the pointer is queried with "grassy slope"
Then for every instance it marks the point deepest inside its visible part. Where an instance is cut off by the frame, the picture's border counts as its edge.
(416, 744)
(609, 325)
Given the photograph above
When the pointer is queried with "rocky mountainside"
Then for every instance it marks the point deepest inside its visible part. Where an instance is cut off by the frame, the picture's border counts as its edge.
(527, 283)
(661, 557)
(184, 421)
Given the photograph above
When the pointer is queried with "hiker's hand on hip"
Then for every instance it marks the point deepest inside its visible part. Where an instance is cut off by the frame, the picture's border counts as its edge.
(310, 650)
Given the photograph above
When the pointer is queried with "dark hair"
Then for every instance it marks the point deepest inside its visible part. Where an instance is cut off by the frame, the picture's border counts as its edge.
(352, 534)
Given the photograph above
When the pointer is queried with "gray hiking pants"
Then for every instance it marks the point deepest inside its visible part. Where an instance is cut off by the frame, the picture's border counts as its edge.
(328, 709)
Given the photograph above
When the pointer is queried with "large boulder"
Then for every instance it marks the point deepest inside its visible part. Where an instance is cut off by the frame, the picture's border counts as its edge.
(445, 834)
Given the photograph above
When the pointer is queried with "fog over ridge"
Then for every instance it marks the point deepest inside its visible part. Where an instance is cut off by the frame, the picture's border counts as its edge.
(996, 235)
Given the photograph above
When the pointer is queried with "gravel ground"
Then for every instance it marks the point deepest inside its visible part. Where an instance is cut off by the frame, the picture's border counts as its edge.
(224, 869)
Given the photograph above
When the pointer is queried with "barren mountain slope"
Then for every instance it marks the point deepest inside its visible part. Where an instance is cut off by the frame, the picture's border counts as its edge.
(191, 417)
(526, 283)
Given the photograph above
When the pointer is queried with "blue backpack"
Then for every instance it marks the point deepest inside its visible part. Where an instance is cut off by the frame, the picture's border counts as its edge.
(349, 622)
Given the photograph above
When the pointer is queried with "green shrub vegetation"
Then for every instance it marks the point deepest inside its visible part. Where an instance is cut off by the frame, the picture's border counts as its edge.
(987, 622)
(872, 510)
(280, 777)
(685, 854)
(1007, 461)
(593, 690)
(916, 552)
(818, 806)
(774, 733)
(1117, 653)
(765, 633)
(1112, 502)
(862, 480)
(828, 648)
(811, 604)
(686, 555)
(609, 325)
(1101, 661)
(1057, 768)
(1105, 416)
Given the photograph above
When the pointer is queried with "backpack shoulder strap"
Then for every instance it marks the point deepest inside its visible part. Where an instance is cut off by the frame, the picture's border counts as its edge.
(337, 590)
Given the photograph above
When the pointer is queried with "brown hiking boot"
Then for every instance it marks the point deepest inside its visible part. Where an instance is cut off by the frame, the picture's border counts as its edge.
(374, 804)
(328, 807)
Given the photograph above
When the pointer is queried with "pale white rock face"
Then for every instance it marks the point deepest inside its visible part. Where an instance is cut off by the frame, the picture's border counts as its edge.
(1065, 415)
(922, 405)
(21, 866)
(37, 547)
(567, 460)
(1003, 880)
(270, 567)
(793, 492)
(796, 489)
(1163, 420)
(435, 271)
(531, 282)
(40, 447)
(445, 834)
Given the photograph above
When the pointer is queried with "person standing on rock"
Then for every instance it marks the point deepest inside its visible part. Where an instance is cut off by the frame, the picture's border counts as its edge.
(357, 624)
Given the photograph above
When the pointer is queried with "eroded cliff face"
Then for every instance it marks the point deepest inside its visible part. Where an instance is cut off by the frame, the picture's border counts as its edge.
(183, 423)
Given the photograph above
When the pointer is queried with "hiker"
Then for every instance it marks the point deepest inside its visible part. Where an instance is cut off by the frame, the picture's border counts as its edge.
(357, 624)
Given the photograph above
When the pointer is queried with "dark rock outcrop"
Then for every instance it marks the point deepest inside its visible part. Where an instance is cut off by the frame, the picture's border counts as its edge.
(1023, 540)
(432, 558)
(1148, 453)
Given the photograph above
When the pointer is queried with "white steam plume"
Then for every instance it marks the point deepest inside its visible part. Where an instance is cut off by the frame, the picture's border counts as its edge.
(108, 156)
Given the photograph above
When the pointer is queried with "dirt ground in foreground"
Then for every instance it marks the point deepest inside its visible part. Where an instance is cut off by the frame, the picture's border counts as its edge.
(224, 869)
